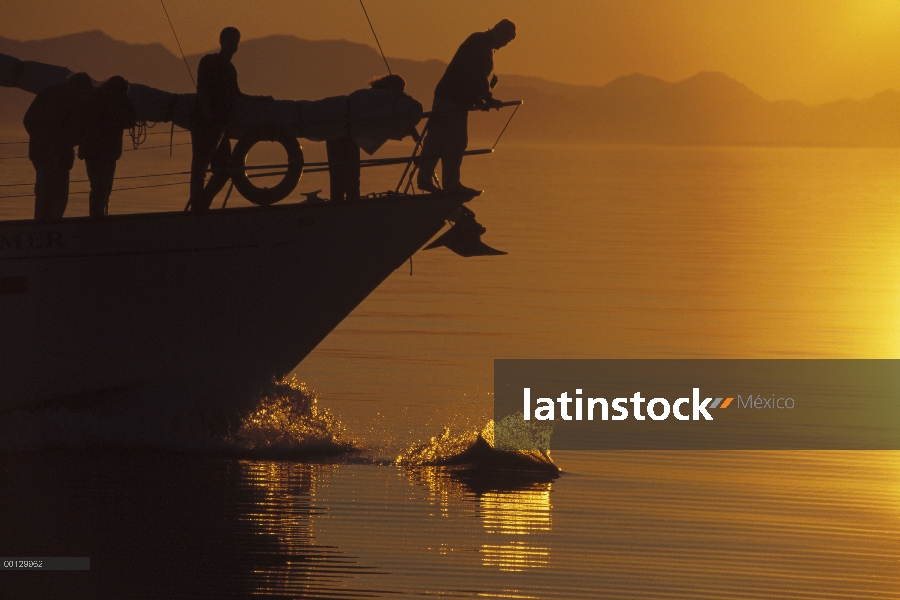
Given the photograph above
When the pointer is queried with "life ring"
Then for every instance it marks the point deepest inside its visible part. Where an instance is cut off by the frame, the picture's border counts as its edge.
(264, 196)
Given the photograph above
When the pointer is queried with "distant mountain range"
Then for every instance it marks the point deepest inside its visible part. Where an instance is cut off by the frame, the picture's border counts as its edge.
(706, 109)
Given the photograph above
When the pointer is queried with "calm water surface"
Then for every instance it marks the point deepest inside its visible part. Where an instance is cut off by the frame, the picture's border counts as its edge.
(614, 252)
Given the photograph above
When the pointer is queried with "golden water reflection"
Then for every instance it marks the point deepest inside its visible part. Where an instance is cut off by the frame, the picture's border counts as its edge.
(444, 492)
(515, 519)
(519, 513)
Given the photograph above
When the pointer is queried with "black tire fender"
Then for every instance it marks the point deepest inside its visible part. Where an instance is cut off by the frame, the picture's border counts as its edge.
(264, 196)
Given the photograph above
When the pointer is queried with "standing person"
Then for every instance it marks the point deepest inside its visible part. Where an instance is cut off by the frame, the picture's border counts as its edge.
(51, 122)
(343, 153)
(217, 92)
(464, 86)
(106, 113)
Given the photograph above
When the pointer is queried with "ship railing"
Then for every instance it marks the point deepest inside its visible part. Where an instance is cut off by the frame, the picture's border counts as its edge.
(410, 162)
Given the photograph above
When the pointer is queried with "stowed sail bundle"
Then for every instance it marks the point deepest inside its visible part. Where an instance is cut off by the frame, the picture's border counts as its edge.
(29, 75)
(156, 106)
(369, 117)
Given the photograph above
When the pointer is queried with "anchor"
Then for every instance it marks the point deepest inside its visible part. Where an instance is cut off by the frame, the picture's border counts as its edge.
(464, 237)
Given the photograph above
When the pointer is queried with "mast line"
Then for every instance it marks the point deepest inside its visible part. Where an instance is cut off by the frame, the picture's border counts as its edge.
(186, 66)
(373, 33)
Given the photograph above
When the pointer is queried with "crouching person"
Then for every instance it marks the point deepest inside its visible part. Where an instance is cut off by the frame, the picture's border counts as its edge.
(51, 125)
(343, 153)
(107, 112)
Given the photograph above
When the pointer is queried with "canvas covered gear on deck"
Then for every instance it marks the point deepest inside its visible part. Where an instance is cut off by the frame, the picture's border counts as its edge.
(369, 117)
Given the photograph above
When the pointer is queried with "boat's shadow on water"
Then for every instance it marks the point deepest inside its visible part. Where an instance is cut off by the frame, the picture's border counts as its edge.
(169, 524)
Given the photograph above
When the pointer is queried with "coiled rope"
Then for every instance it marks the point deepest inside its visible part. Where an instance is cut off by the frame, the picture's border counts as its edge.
(138, 133)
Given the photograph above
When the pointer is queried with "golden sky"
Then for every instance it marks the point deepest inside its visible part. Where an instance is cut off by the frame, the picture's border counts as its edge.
(810, 50)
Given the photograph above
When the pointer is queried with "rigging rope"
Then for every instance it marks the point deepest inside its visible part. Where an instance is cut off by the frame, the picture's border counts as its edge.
(186, 66)
(179, 130)
(505, 126)
(126, 150)
(155, 147)
(374, 34)
(136, 187)
(118, 177)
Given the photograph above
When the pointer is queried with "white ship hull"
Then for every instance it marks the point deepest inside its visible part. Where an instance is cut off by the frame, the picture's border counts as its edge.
(217, 303)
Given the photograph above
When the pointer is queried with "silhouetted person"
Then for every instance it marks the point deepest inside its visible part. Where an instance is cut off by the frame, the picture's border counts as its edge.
(107, 112)
(51, 125)
(217, 92)
(343, 153)
(464, 85)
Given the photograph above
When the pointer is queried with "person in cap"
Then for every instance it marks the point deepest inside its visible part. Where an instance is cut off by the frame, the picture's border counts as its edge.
(466, 84)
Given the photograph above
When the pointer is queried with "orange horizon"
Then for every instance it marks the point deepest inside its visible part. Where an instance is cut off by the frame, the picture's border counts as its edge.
(814, 53)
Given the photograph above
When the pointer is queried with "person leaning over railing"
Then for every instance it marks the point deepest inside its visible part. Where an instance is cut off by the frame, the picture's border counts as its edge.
(51, 125)
(105, 114)
(464, 86)
(343, 153)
